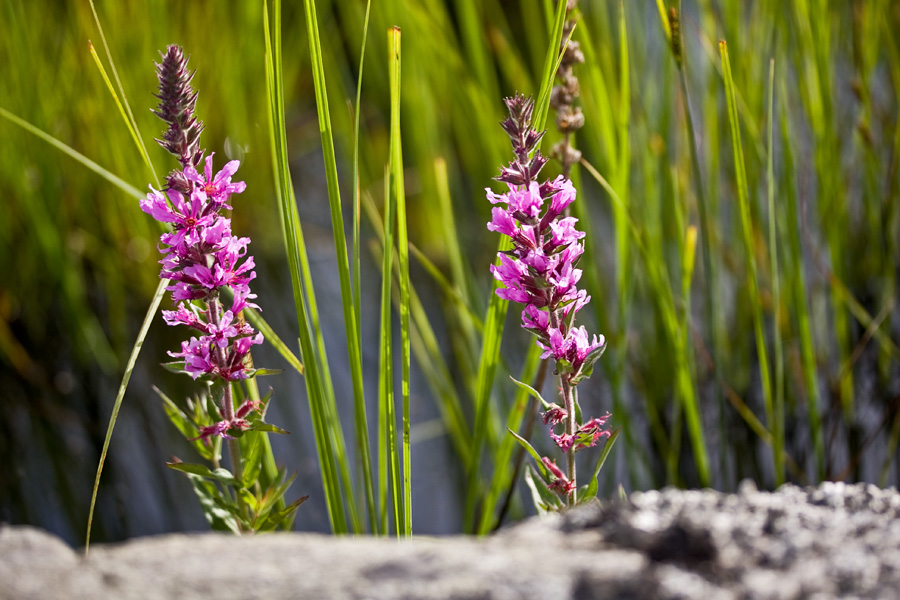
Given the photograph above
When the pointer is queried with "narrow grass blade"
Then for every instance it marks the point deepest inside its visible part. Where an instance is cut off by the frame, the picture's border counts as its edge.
(710, 268)
(750, 253)
(351, 325)
(131, 128)
(69, 151)
(428, 353)
(389, 471)
(551, 63)
(778, 423)
(667, 304)
(403, 256)
(357, 271)
(798, 289)
(123, 105)
(120, 395)
(504, 465)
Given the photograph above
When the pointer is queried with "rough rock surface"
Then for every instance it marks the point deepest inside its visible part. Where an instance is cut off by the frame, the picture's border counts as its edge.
(831, 541)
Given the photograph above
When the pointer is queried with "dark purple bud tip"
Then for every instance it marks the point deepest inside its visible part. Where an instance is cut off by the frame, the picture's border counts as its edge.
(177, 103)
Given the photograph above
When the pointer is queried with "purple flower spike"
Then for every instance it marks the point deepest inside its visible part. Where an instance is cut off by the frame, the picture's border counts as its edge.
(541, 271)
(203, 258)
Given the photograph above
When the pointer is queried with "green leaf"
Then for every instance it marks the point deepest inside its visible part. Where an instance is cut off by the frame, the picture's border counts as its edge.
(252, 450)
(261, 372)
(589, 492)
(221, 514)
(545, 499)
(176, 415)
(534, 393)
(531, 451)
(260, 426)
(280, 517)
(222, 475)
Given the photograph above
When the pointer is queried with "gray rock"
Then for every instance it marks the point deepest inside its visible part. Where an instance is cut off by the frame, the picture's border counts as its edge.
(831, 541)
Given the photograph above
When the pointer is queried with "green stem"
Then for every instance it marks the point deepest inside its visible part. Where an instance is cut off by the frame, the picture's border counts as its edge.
(569, 405)
(234, 449)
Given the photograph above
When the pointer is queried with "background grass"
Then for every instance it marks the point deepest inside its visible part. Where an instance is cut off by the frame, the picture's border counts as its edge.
(683, 375)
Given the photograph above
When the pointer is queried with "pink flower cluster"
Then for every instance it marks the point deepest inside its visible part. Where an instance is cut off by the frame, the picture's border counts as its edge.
(237, 423)
(202, 258)
(540, 271)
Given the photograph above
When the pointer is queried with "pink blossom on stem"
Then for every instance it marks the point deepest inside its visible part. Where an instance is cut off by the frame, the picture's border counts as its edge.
(558, 482)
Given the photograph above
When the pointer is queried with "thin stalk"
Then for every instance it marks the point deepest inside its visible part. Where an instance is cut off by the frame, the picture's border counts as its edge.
(127, 114)
(568, 396)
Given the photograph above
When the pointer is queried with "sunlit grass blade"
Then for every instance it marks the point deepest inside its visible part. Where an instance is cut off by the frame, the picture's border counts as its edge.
(328, 441)
(799, 292)
(71, 152)
(388, 461)
(122, 104)
(351, 325)
(551, 63)
(403, 257)
(750, 254)
(120, 395)
(131, 128)
(624, 278)
(469, 327)
(817, 91)
(355, 252)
